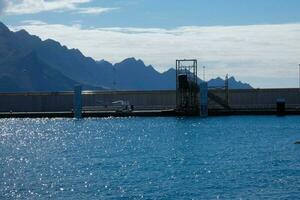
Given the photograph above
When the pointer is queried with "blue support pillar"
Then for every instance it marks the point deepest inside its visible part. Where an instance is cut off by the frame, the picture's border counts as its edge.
(77, 102)
(203, 99)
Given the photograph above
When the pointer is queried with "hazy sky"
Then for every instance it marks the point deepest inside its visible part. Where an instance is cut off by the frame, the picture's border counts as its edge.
(257, 41)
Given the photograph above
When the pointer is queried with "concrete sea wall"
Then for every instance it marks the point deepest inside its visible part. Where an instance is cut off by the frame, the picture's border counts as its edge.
(63, 101)
(143, 100)
(259, 98)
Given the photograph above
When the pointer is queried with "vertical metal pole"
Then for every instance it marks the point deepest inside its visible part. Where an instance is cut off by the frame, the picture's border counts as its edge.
(204, 73)
(78, 102)
(299, 78)
(197, 71)
(177, 100)
(227, 90)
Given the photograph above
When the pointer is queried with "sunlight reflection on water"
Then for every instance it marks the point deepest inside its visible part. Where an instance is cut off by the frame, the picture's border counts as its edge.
(151, 158)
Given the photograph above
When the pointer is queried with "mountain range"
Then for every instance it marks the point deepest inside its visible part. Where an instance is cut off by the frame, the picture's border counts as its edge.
(29, 64)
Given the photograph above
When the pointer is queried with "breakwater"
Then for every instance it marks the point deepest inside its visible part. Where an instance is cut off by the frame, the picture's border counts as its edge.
(145, 103)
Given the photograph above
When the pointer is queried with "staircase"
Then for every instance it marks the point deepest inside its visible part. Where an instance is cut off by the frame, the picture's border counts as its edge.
(218, 100)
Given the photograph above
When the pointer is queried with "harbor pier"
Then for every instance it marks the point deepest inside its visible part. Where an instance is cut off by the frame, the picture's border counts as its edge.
(146, 103)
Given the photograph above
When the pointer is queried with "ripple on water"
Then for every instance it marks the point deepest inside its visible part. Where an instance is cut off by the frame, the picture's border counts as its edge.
(156, 158)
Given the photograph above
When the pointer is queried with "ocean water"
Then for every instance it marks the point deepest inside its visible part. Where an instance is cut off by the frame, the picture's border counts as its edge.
(251, 157)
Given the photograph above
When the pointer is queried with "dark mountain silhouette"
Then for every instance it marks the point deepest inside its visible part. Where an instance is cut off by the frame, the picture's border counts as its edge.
(232, 83)
(169, 78)
(29, 64)
(31, 74)
(133, 74)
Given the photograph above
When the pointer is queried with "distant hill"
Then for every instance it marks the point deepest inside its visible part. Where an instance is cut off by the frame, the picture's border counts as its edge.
(32, 74)
(21, 69)
(29, 64)
(232, 83)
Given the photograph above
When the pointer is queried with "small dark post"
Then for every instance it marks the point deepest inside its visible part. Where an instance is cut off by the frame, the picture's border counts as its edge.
(280, 107)
(77, 102)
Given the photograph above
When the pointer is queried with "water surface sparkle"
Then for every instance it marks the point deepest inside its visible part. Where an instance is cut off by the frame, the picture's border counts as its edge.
(150, 158)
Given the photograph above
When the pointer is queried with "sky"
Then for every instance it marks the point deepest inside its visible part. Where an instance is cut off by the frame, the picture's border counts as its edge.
(257, 41)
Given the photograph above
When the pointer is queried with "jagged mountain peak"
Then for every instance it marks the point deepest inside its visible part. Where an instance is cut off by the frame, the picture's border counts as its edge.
(232, 82)
(232, 78)
(22, 32)
(130, 74)
(131, 59)
(218, 79)
(135, 64)
(104, 63)
(127, 61)
(53, 43)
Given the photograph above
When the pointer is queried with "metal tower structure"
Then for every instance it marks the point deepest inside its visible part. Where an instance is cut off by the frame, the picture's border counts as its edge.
(227, 90)
(187, 89)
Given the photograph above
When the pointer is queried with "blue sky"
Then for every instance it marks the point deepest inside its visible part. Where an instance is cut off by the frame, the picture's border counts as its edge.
(257, 41)
(172, 13)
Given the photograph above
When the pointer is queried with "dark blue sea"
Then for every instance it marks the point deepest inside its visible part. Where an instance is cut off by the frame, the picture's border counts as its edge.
(238, 157)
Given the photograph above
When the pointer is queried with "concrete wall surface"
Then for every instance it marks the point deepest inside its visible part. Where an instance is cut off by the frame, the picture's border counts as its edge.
(36, 102)
(139, 99)
(63, 101)
(260, 98)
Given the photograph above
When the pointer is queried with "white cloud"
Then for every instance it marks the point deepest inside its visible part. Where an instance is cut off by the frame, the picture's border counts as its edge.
(34, 22)
(251, 53)
(94, 10)
(21, 7)
(3, 6)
